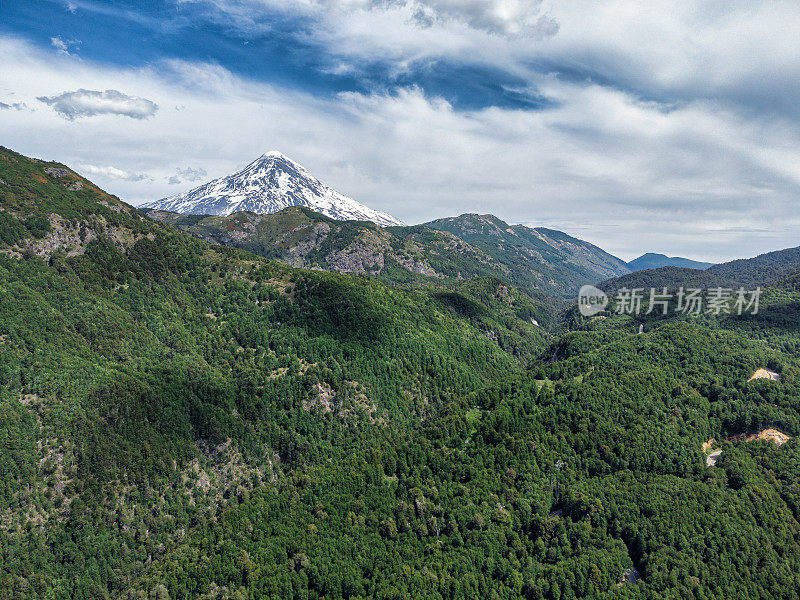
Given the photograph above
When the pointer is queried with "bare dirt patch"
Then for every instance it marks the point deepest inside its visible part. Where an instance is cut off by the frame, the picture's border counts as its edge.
(765, 374)
(774, 435)
(711, 459)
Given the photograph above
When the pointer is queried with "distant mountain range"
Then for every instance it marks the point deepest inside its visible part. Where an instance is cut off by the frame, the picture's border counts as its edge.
(275, 208)
(651, 260)
(267, 185)
(446, 250)
(764, 269)
(778, 268)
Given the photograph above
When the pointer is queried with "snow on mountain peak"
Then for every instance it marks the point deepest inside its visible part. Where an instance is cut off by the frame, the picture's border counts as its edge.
(267, 185)
(275, 154)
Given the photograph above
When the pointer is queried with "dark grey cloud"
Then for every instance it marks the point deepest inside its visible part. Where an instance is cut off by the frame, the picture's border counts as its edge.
(14, 106)
(90, 103)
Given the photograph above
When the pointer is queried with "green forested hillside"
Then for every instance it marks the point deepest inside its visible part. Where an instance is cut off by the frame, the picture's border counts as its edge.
(538, 258)
(764, 269)
(670, 277)
(442, 252)
(185, 420)
(652, 260)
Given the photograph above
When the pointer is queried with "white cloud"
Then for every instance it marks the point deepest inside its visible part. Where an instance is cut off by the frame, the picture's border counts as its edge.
(740, 52)
(113, 173)
(90, 103)
(59, 45)
(64, 46)
(188, 174)
(513, 18)
(628, 174)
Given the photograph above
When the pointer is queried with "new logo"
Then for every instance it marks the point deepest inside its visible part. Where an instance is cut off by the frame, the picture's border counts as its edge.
(591, 300)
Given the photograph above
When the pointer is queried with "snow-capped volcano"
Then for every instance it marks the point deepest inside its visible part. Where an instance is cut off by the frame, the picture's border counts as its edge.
(270, 183)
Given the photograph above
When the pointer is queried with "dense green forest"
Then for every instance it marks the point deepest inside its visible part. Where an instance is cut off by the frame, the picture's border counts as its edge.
(763, 269)
(186, 420)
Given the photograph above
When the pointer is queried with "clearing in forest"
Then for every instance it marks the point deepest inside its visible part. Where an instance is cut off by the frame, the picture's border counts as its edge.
(711, 456)
(765, 374)
(711, 459)
(630, 576)
(769, 434)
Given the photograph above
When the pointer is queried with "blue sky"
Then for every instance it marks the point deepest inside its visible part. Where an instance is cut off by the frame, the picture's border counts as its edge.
(605, 120)
(278, 47)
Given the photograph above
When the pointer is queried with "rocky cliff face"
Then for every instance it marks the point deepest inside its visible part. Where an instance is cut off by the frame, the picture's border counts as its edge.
(305, 239)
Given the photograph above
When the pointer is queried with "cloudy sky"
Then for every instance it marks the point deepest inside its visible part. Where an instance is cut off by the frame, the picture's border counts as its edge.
(640, 126)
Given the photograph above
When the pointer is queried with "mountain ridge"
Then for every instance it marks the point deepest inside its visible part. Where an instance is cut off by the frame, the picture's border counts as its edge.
(654, 260)
(541, 260)
(763, 270)
(564, 263)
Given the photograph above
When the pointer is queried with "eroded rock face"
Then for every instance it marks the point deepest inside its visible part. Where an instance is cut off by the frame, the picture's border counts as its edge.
(348, 248)
(72, 238)
(63, 235)
(415, 265)
(296, 255)
(365, 256)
